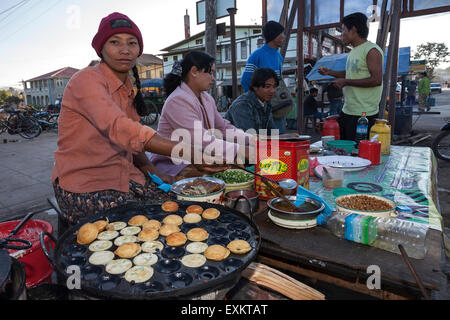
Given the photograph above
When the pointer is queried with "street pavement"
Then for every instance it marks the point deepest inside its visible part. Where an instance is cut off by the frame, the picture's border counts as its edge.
(26, 167)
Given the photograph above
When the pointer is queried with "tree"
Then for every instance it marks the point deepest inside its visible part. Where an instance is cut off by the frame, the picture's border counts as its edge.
(434, 53)
(4, 95)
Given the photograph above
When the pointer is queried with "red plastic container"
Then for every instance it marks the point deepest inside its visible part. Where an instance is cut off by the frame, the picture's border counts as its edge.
(370, 151)
(37, 267)
(281, 159)
(331, 128)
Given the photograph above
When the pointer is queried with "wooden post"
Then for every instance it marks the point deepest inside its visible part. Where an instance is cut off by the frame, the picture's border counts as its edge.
(395, 35)
(211, 35)
(289, 28)
(387, 72)
(284, 13)
(232, 12)
(300, 67)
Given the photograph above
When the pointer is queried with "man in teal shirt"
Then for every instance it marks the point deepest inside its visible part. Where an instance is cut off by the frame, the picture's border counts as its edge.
(424, 91)
(362, 80)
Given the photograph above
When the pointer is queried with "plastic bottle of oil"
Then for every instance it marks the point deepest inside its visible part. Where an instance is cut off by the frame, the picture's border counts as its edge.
(383, 130)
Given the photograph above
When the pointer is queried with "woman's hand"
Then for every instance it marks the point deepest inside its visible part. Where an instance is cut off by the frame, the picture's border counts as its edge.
(324, 71)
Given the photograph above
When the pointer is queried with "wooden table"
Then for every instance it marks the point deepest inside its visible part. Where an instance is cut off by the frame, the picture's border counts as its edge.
(318, 254)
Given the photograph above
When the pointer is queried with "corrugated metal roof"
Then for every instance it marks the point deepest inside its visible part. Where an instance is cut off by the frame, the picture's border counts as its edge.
(66, 72)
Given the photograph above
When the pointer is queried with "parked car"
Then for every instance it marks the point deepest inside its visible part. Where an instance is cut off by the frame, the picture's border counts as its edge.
(436, 87)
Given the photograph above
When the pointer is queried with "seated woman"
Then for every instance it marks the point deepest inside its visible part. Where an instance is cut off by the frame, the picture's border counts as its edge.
(253, 110)
(190, 112)
(100, 161)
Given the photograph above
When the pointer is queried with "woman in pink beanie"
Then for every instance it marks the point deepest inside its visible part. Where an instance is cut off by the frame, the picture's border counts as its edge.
(100, 162)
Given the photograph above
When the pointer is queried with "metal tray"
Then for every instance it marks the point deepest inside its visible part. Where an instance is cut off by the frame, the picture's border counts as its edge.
(171, 279)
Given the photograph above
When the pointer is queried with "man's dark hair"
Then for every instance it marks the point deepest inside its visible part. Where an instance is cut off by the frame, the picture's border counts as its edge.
(260, 76)
(313, 90)
(359, 21)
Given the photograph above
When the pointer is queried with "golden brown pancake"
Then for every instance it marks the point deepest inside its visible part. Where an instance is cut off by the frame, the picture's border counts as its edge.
(169, 206)
(101, 224)
(194, 260)
(173, 219)
(128, 250)
(210, 214)
(148, 235)
(152, 224)
(167, 229)
(239, 246)
(216, 252)
(87, 233)
(192, 218)
(176, 239)
(197, 234)
(116, 226)
(137, 220)
(194, 209)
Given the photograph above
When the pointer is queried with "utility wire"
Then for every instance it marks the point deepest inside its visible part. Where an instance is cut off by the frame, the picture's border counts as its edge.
(31, 22)
(17, 6)
(12, 7)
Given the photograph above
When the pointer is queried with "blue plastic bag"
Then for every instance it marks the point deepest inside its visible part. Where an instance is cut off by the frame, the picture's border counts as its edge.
(323, 217)
(161, 184)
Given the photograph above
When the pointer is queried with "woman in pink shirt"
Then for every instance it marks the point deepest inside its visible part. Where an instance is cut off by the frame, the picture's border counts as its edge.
(190, 112)
(100, 161)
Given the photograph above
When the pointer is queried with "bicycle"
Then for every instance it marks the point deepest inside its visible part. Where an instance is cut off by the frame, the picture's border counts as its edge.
(46, 119)
(152, 115)
(441, 144)
(15, 122)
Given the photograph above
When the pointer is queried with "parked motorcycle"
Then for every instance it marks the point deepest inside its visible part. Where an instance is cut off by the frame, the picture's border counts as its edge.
(441, 144)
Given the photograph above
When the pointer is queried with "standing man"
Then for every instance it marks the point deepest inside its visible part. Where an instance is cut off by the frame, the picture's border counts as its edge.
(335, 98)
(267, 56)
(411, 98)
(424, 91)
(363, 76)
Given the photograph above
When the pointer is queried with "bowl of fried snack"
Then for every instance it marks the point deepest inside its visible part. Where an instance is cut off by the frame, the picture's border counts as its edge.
(366, 204)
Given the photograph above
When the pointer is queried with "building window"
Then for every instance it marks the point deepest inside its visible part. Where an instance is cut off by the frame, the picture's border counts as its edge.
(199, 41)
(227, 52)
(315, 47)
(244, 50)
(148, 74)
(165, 59)
(260, 43)
(305, 44)
(175, 58)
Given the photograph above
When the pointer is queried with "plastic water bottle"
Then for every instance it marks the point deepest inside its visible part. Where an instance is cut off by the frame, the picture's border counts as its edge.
(383, 233)
(362, 129)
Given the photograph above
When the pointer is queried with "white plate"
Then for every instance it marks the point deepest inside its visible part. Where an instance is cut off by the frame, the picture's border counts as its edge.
(346, 163)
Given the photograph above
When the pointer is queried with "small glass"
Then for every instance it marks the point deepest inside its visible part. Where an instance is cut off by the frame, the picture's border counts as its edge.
(332, 177)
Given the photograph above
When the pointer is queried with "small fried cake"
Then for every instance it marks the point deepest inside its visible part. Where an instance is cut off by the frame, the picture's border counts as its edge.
(116, 226)
(87, 233)
(194, 209)
(192, 218)
(173, 219)
(239, 246)
(176, 239)
(194, 260)
(148, 235)
(210, 214)
(216, 252)
(137, 220)
(169, 206)
(152, 224)
(167, 229)
(197, 234)
(101, 224)
(128, 250)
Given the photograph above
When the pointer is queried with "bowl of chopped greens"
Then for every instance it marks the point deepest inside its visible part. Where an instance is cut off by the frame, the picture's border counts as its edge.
(236, 179)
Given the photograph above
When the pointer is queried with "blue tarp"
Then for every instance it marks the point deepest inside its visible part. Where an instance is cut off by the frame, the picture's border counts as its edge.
(337, 62)
(153, 83)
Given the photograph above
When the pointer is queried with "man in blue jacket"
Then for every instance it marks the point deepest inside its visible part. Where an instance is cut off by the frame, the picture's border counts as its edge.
(253, 110)
(267, 56)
